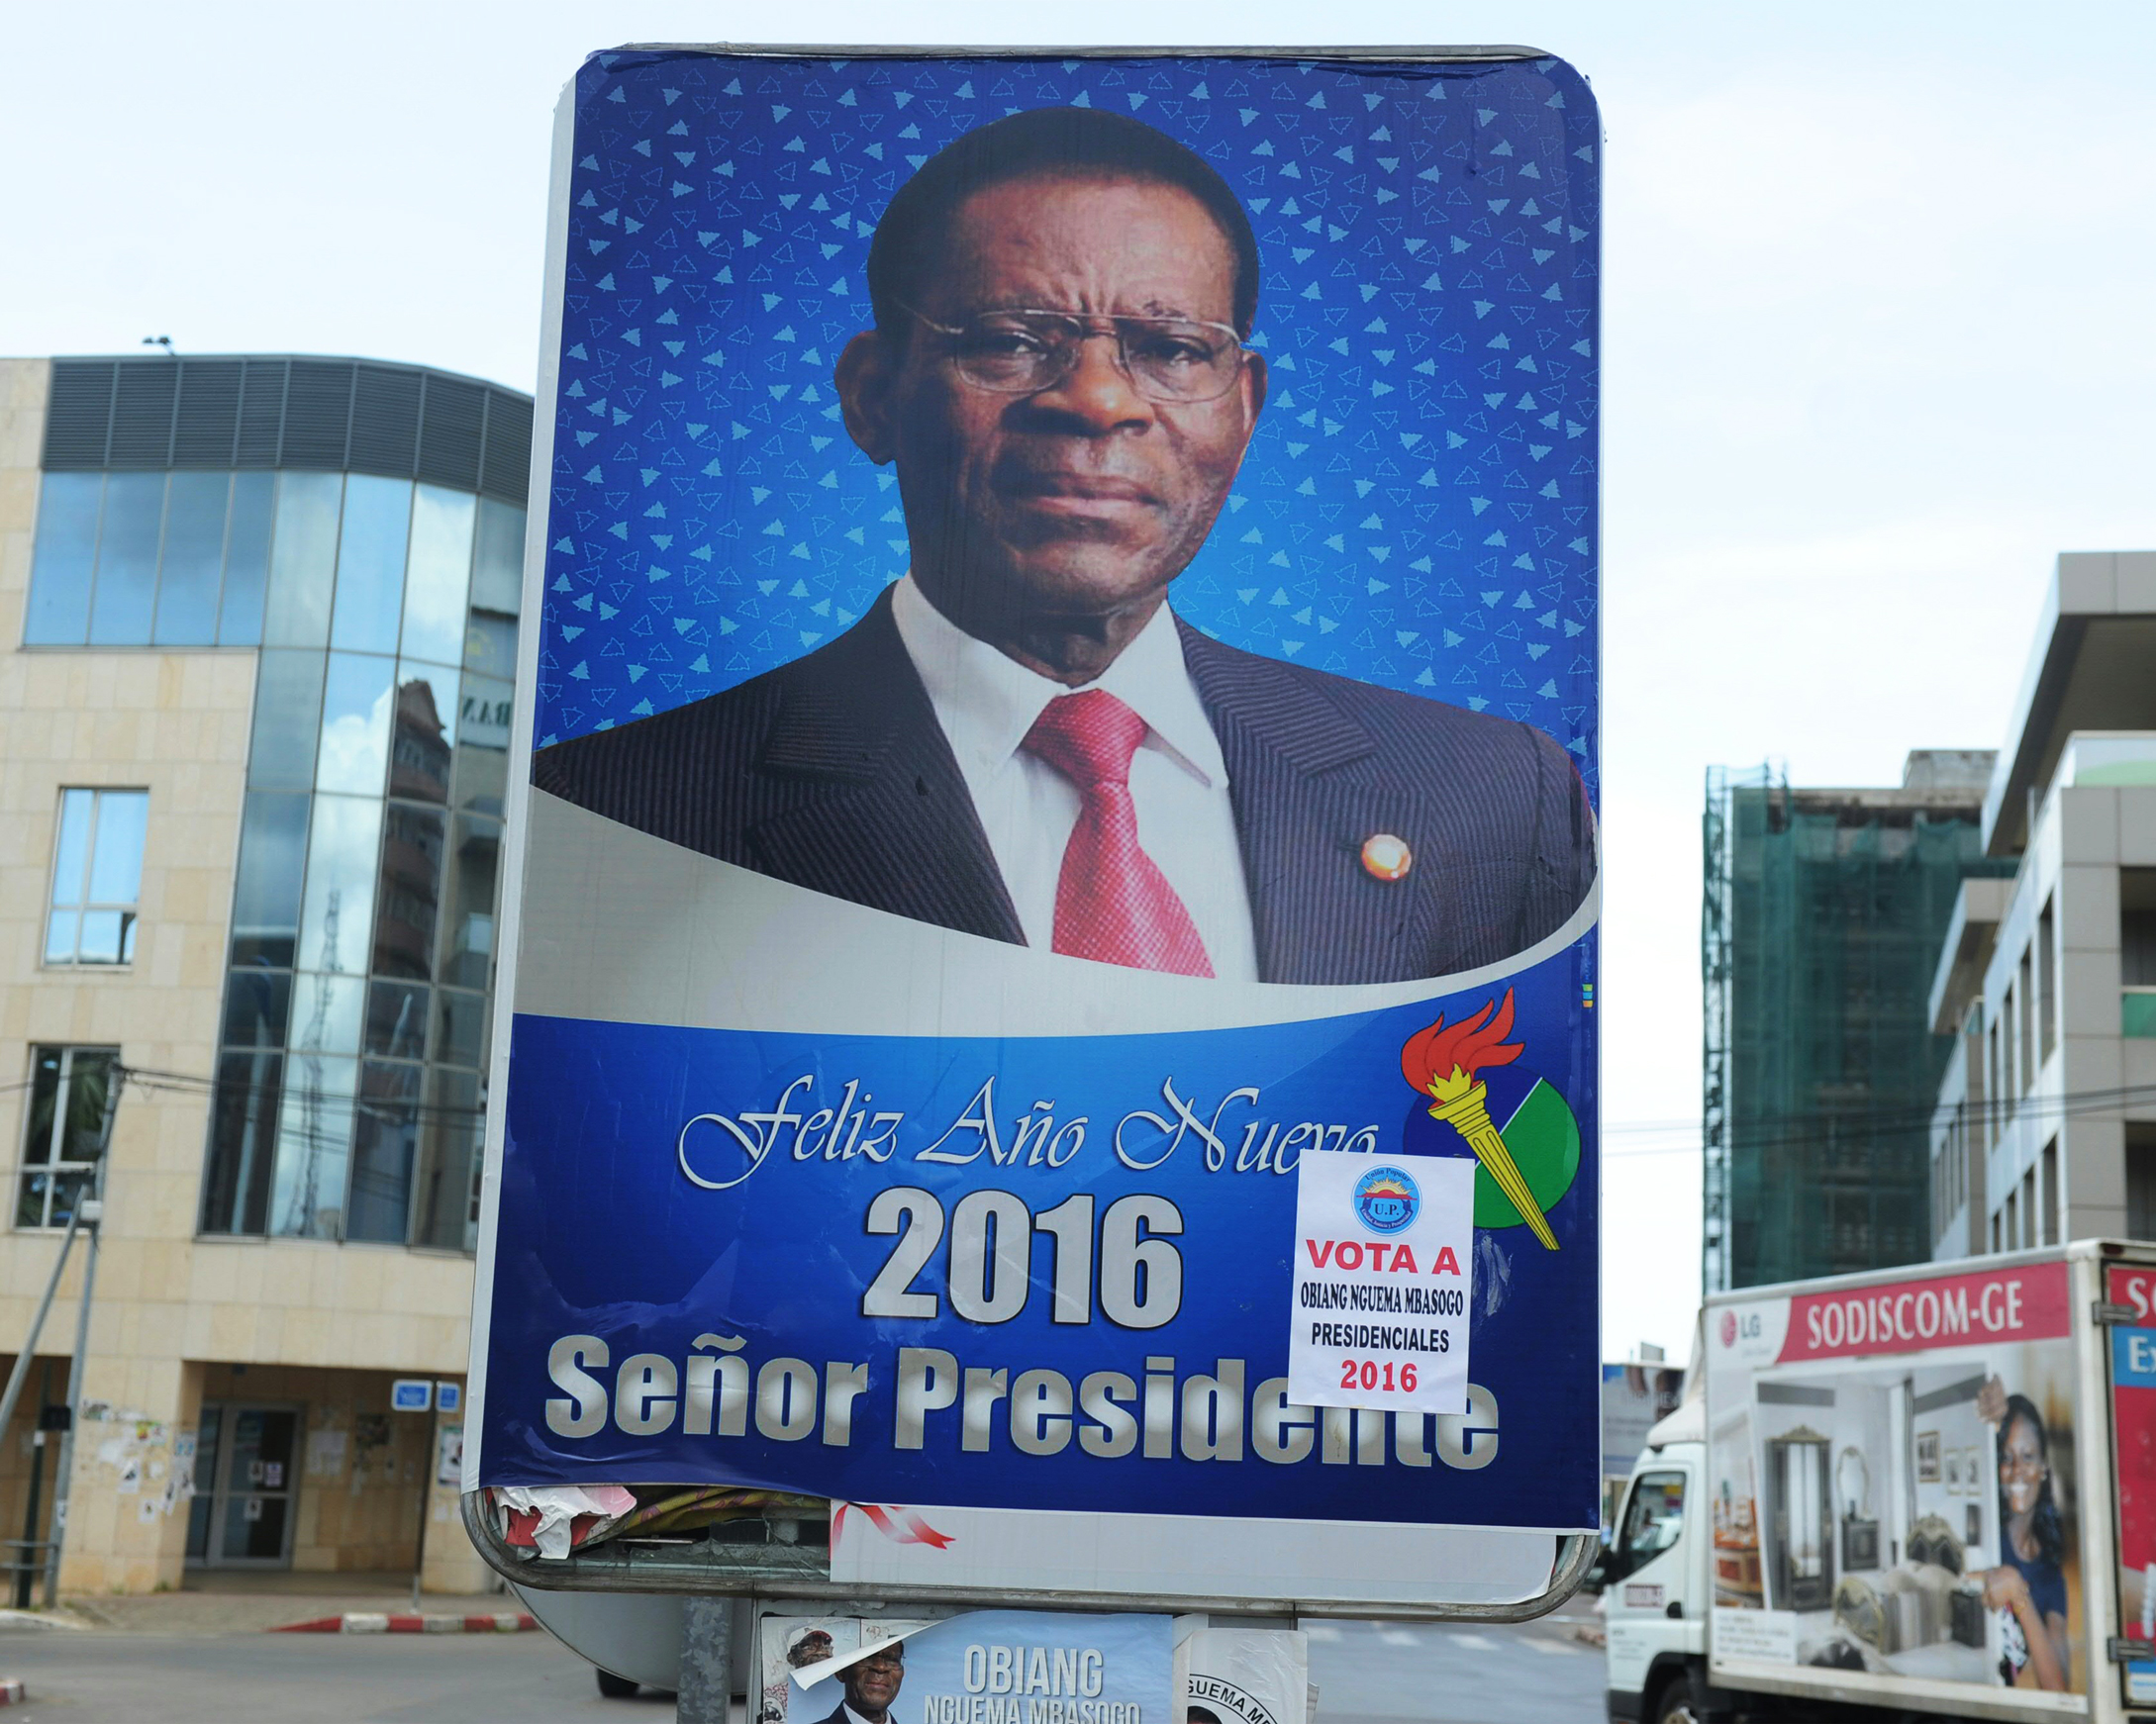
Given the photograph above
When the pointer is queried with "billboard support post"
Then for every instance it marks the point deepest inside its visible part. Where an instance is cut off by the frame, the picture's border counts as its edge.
(708, 1657)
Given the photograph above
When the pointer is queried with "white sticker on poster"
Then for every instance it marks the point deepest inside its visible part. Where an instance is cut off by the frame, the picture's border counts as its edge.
(1002, 1667)
(788, 1645)
(1384, 1251)
(1243, 1676)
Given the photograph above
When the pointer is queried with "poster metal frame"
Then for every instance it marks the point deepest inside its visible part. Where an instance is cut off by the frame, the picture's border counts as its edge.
(802, 1571)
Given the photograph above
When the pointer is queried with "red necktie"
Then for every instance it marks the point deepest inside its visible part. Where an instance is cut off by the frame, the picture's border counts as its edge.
(1113, 905)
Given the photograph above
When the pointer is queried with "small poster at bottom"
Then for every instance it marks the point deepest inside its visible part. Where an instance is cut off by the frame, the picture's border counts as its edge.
(1243, 1676)
(1002, 1666)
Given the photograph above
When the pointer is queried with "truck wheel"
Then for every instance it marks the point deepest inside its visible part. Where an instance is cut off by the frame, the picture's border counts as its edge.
(614, 1688)
(1681, 1700)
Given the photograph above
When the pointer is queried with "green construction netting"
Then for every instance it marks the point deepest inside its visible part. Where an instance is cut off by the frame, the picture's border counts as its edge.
(1828, 929)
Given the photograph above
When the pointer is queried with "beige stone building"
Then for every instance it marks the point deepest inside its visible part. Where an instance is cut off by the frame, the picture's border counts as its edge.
(257, 619)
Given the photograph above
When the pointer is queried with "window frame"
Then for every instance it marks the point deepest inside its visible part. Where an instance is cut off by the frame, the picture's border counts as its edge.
(433, 848)
(1627, 1556)
(53, 1168)
(81, 907)
(233, 588)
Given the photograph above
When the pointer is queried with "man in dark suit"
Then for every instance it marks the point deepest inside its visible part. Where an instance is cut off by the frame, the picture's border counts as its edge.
(872, 1684)
(1019, 740)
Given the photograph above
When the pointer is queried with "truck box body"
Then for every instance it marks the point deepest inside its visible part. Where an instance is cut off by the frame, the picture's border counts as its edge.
(1930, 1489)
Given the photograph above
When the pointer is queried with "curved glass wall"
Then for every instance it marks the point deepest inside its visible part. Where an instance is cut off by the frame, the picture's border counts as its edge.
(150, 559)
(351, 1091)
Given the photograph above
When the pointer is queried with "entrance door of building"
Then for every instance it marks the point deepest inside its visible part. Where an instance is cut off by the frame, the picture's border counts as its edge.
(245, 1486)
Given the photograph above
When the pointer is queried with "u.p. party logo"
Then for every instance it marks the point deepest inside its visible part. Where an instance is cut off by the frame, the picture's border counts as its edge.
(1387, 1199)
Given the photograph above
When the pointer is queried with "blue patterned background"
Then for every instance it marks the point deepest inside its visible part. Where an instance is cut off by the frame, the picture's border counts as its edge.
(1418, 506)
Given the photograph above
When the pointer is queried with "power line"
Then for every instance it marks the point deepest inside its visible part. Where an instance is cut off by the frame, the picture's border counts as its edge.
(193, 1083)
(1763, 1130)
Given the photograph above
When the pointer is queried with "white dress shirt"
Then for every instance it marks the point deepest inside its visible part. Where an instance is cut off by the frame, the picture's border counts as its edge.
(986, 702)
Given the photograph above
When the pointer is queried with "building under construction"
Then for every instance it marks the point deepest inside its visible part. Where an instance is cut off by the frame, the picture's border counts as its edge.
(1821, 928)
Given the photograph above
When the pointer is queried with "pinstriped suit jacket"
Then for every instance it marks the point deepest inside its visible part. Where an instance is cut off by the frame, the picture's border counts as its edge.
(832, 773)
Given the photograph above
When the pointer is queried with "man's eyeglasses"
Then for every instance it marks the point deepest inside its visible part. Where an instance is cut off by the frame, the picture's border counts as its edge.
(881, 1666)
(1175, 361)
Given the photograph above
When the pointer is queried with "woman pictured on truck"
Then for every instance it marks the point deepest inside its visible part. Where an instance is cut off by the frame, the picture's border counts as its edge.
(2028, 1589)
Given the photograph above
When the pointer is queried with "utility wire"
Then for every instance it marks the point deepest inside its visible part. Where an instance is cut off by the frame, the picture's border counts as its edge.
(189, 1082)
(1764, 1131)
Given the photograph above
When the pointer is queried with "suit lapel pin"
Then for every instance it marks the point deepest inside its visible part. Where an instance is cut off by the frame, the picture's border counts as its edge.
(1385, 857)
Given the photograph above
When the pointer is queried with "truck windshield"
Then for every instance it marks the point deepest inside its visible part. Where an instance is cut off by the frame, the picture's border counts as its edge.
(1653, 1518)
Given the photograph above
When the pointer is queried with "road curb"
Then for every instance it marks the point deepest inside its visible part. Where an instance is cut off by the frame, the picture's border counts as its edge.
(412, 1622)
(13, 1693)
(40, 1620)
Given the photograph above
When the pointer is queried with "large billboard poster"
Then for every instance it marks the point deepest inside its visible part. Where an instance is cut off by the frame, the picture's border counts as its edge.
(1891, 1476)
(1065, 698)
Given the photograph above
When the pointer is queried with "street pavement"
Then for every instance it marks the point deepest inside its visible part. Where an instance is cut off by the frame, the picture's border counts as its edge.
(305, 1679)
(1367, 1674)
(1534, 1672)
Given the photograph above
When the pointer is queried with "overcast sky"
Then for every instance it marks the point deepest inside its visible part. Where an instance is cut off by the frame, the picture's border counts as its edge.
(1876, 345)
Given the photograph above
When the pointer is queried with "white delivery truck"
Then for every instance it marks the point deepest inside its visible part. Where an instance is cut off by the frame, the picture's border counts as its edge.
(1926, 1492)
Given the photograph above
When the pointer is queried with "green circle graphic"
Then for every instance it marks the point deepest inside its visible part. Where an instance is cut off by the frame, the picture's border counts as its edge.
(1544, 1140)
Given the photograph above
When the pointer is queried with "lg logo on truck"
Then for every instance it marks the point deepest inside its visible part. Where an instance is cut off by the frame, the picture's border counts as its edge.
(1736, 1328)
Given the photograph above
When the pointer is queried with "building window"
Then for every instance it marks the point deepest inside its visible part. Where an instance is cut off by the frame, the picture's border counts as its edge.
(64, 1146)
(2137, 950)
(2140, 1181)
(149, 560)
(2047, 983)
(2051, 1182)
(97, 877)
(352, 1088)
(2028, 998)
(1990, 1086)
(2007, 1089)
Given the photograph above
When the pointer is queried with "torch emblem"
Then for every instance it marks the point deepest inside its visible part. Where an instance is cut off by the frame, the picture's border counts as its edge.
(1520, 1130)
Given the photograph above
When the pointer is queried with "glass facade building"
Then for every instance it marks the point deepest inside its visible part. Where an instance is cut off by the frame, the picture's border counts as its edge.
(360, 528)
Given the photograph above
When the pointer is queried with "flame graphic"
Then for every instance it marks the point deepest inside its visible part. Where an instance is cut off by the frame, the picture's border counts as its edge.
(1442, 1062)
(1464, 1049)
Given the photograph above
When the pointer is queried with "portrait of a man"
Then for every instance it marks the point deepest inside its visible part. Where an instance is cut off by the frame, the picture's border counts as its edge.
(1022, 739)
(869, 1686)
